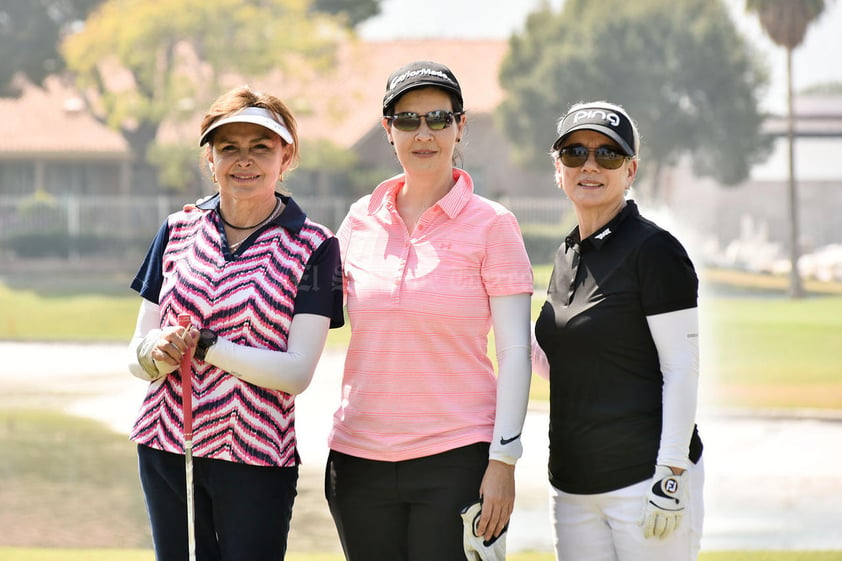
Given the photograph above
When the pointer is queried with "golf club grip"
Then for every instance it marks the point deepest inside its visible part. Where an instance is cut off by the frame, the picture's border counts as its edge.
(186, 385)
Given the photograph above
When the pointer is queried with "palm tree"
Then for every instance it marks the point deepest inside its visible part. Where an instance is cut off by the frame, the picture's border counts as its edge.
(785, 22)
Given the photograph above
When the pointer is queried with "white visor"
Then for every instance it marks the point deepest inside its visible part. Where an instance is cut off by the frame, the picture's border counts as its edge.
(254, 115)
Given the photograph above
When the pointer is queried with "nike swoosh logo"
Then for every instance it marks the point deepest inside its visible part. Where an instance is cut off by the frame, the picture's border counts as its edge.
(504, 441)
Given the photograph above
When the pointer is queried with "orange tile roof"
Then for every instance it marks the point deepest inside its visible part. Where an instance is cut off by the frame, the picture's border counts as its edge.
(51, 122)
(341, 106)
(346, 104)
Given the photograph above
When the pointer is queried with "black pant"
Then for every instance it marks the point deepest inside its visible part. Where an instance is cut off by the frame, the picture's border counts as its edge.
(404, 511)
(242, 511)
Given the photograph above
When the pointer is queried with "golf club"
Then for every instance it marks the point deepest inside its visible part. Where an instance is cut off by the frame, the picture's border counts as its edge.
(187, 411)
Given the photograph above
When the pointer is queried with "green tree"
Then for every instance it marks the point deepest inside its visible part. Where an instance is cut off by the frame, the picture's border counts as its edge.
(824, 88)
(30, 33)
(786, 22)
(357, 11)
(678, 66)
(139, 64)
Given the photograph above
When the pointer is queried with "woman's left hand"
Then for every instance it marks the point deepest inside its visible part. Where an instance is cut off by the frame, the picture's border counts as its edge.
(497, 492)
(175, 341)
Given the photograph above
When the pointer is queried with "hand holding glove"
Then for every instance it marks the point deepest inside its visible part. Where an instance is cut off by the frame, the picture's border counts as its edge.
(476, 548)
(159, 352)
(665, 502)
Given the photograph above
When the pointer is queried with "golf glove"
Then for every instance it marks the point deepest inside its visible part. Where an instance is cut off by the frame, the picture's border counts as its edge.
(665, 503)
(476, 548)
(151, 369)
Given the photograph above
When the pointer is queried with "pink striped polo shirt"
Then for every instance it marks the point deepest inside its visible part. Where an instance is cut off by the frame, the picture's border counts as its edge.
(418, 380)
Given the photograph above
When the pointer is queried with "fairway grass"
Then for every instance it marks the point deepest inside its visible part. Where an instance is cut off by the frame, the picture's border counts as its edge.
(70, 491)
(30, 316)
(27, 554)
(68, 481)
(759, 348)
(772, 353)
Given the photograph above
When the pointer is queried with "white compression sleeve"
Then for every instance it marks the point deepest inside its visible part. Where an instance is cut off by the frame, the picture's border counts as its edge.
(540, 364)
(148, 326)
(289, 371)
(510, 317)
(676, 336)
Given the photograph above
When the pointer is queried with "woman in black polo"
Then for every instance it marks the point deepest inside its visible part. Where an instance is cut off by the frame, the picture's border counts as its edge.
(619, 332)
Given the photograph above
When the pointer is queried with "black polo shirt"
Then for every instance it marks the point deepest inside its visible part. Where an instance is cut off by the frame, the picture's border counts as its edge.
(605, 378)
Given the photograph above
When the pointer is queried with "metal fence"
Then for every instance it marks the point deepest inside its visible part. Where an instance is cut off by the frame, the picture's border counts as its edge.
(73, 224)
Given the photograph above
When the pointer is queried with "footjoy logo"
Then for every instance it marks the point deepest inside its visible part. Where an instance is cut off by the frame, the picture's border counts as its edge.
(420, 72)
(612, 118)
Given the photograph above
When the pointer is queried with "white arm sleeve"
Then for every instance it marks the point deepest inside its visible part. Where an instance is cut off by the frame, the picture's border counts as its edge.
(510, 317)
(289, 371)
(540, 364)
(676, 336)
(147, 328)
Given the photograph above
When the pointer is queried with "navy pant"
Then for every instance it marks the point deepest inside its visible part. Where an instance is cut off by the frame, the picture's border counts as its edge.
(242, 511)
(404, 511)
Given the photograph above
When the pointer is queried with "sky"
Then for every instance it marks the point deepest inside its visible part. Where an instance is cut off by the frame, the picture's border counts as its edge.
(815, 61)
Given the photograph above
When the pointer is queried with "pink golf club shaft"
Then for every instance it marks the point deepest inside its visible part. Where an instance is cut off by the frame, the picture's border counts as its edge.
(186, 385)
(184, 320)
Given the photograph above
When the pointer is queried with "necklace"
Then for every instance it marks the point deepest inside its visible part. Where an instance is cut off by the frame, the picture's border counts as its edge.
(233, 247)
(259, 224)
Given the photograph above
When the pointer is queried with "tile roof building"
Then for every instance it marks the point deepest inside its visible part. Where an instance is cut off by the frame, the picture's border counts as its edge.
(49, 143)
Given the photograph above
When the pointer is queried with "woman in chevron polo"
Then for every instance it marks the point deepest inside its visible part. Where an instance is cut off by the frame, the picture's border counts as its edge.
(258, 279)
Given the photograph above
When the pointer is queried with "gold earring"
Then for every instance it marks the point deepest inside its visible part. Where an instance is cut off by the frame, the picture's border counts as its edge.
(213, 177)
(281, 178)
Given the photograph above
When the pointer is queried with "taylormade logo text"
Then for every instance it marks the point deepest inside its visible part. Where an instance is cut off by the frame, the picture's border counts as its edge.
(419, 72)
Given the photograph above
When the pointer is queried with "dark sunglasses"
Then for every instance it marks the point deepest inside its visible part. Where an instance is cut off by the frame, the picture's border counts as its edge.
(576, 155)
(409, 121)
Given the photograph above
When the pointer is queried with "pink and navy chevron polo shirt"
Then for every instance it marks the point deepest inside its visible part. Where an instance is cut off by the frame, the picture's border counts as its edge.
(249, 297)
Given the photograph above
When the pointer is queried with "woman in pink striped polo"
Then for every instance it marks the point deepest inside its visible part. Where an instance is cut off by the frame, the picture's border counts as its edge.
(425, 428)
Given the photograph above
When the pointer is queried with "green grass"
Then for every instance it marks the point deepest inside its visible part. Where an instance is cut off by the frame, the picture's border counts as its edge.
(44, 315)
(29, 315)
(760, 349)
(783, 336)
(68, 480)
(774, 353)
(61, 554)
(26, 554)
(70, 491)
(72, 481)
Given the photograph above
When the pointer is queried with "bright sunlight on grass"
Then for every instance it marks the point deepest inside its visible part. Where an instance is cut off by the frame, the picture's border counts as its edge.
(28, 316)
(26, 554)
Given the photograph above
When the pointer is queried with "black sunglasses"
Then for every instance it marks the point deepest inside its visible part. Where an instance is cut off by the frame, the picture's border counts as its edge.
(409, 121)
(576, 155)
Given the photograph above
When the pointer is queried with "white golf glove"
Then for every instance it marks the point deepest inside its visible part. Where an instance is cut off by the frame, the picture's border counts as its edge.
(665, 503)
(476, 548)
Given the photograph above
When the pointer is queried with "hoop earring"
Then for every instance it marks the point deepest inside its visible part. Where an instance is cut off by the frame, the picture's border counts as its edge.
(213, 177)
(281, 178)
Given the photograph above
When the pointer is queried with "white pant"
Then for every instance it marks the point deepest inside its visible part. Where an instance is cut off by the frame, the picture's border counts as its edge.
(606, 526)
